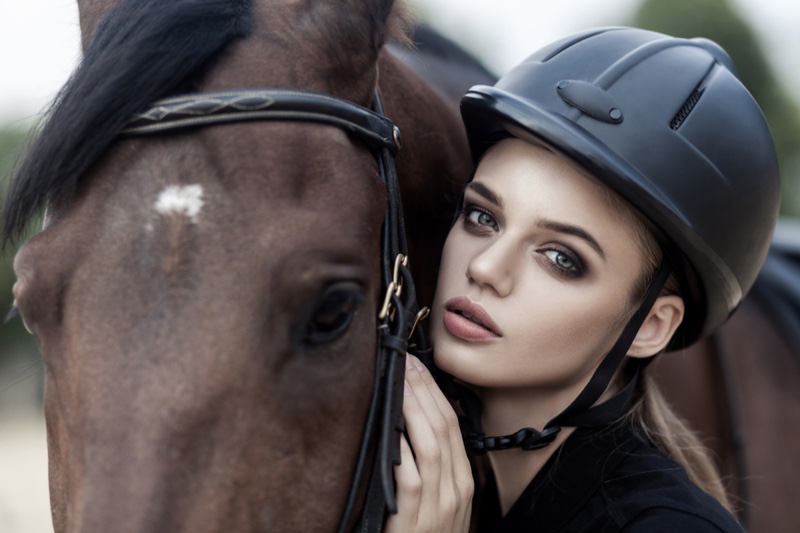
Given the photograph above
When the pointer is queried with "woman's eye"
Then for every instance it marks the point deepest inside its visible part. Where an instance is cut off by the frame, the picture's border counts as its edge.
(479, 217)
(564, 262)
(333, 313)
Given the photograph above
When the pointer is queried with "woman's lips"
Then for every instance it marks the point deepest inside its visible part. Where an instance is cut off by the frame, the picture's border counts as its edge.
(469, 321)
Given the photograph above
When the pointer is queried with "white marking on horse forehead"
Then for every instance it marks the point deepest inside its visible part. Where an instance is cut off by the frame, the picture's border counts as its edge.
(185, 199)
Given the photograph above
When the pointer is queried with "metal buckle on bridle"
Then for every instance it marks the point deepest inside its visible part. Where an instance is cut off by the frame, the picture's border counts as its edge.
(422, 315)
(395, 288)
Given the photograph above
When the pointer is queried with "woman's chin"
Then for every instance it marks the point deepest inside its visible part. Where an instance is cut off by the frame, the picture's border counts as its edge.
(459, 369)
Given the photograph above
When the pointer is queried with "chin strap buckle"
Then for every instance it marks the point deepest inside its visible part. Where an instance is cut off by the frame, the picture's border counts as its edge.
(540, 439)
(525, 438)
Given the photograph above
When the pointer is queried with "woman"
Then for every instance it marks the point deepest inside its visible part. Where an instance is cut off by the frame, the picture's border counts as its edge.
(626, 193)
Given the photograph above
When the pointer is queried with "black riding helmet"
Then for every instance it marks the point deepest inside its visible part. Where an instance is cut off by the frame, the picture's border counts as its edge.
(666, 123)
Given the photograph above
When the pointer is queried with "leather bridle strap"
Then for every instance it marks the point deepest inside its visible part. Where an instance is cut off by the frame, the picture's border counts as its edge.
(380, 443)
(205, 109)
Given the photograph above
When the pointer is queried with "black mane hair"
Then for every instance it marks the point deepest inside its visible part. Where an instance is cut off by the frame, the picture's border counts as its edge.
(144, 50)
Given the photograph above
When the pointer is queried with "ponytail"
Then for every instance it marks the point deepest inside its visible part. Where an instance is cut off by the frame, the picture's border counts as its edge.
(672, 436)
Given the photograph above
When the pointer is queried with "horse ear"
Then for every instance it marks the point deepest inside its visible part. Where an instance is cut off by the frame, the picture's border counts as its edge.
(91, 14)
(382, 11)
(359, 25)
(390, 20)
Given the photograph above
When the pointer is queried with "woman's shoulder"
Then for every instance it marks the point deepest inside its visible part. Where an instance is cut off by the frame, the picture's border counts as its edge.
(612, 480)
(670, 520)
(647, 491)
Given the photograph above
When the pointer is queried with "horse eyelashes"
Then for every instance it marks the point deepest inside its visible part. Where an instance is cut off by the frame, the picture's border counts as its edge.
(333, 314)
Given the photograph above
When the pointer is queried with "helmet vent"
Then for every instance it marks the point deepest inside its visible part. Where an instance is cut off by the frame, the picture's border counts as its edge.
(684, 111)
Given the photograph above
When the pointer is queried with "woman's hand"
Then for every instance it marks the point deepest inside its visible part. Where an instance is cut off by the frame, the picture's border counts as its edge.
(434, 484)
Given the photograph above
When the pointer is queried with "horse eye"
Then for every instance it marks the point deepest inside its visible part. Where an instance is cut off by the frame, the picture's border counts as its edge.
(333, 313)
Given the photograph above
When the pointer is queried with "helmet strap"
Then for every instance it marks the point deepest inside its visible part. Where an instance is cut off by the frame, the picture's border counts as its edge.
(581, 412)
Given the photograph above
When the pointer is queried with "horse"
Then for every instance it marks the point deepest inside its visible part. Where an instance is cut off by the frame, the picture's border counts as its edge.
(209, 296)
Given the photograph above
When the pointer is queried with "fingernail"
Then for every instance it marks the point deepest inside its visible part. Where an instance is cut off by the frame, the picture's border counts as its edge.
(409, 362)
(406, 388)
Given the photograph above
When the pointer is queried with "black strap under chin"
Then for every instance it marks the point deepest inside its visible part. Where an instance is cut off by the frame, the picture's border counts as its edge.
(529, 438)
(581, 412)
(379, 451)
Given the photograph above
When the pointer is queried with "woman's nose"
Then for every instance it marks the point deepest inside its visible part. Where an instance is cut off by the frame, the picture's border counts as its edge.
(492, 268)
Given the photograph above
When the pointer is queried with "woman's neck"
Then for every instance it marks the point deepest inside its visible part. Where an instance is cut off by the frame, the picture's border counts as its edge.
(506, 411)
(515, 468)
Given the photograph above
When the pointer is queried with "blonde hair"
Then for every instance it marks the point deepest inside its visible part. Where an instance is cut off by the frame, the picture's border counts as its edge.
(671, 435)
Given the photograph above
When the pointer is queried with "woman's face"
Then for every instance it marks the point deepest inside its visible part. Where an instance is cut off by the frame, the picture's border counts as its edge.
(536, 276)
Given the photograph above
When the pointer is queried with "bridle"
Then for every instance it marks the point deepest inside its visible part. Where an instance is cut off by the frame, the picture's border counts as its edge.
(398, 317)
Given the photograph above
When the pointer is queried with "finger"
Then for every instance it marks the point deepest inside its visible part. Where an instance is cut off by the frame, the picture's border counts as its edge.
(409, 489)
(436, 433)
(445, 417)
(420, 416)
(444, 406)
(456, 483)
(431, 440)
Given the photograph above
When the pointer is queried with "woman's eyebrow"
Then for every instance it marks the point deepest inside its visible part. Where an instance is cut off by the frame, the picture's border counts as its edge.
(485, 192)
(576, 231)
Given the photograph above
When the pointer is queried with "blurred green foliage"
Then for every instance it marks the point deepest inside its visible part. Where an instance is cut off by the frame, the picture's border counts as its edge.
(720, 21)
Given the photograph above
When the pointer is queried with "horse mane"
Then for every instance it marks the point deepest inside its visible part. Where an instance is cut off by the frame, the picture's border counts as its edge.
(144, 50)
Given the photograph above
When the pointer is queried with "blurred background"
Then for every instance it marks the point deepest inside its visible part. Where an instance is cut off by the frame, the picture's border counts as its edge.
(39, 47)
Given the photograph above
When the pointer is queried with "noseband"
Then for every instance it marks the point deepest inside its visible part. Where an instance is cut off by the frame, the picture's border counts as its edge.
(398, 316)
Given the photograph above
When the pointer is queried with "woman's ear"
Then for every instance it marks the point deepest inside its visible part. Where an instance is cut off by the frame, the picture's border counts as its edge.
(659, 326)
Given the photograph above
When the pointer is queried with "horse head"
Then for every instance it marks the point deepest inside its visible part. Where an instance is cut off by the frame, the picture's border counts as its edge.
(205, 301)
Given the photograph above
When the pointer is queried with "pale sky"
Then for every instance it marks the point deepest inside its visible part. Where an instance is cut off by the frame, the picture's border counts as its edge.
(39, 38)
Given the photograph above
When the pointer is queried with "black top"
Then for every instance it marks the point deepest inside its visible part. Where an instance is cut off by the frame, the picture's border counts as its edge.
(608, 480)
